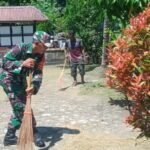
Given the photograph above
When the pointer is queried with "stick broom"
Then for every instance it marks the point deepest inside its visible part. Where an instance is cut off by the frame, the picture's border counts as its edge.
(25, 141)
(60, 78)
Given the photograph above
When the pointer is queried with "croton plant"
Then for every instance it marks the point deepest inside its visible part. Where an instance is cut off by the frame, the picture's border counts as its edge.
(129, 68)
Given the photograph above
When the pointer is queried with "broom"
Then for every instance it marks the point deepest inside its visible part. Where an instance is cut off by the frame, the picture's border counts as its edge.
(60, 78)
(26, 132)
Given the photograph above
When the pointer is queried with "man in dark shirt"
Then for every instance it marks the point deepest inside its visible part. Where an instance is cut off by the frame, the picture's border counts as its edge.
(75, 54)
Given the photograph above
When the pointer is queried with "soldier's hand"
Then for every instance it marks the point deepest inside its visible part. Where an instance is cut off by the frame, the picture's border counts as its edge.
(30, 90)
(29, 63)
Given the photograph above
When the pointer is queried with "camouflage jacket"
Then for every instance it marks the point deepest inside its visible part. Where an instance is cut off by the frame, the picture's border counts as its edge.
(13, 70)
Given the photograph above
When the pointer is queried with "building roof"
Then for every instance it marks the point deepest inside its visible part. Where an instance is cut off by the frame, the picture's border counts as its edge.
(21, 14)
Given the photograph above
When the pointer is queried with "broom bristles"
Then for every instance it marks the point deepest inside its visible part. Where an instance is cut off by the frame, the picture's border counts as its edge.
(26, 132)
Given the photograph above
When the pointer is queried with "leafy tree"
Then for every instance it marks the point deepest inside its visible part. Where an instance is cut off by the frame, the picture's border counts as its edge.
(3, 3)
(85, 16)
(122, 10)
(15, 2)
(54, 10)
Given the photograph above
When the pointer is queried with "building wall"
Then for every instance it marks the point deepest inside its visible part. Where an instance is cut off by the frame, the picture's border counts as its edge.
(54, 56)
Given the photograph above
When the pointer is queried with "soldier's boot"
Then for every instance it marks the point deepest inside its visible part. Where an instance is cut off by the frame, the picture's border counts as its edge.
(10, 137)
(38, 141)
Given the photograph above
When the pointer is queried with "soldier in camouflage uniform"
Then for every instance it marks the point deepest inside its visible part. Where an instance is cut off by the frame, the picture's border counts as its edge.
(15, 66)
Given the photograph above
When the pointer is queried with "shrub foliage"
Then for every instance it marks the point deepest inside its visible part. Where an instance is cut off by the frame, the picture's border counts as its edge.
(129, 68)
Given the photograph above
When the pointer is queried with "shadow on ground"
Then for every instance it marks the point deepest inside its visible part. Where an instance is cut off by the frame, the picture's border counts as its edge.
(64, 88)
(54, 134)
(121, 102)
(67, 87)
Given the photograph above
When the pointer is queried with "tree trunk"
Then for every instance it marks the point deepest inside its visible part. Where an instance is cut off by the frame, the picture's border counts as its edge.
(105, 41)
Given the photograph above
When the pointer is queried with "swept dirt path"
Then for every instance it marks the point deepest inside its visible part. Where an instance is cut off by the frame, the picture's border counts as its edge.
(78, 118)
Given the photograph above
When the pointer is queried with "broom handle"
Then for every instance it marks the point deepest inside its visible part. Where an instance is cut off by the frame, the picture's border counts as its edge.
(62, 72)
(29, 79)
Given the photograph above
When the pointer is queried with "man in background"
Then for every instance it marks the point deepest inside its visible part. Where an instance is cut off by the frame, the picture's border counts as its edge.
(75, 53)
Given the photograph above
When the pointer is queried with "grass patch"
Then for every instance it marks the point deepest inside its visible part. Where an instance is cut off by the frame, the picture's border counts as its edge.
(91, 67)
(99, 88)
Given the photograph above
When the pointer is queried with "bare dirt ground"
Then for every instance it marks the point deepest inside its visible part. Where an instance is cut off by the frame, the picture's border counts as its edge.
(85, 117)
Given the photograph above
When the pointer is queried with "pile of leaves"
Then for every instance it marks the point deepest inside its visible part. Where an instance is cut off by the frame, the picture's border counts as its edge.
(129, 69)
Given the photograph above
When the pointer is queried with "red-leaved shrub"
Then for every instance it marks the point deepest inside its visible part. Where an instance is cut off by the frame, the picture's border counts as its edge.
(129, 68)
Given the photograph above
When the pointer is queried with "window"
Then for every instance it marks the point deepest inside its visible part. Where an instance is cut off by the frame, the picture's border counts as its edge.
(12, 34)
(16, 39)
(28, 39)
(5, 41)
(16, 29)
(5, 36)
(28, 29)
(27, 33)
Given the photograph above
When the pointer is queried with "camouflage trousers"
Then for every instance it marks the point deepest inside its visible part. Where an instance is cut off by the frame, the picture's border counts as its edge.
(17, 97)
(75, 66)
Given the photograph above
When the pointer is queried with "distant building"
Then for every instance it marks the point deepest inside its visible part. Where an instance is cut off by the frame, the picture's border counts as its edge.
(17, 24)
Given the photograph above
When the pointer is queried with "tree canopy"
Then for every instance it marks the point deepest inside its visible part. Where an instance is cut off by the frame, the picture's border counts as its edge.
(84, 16)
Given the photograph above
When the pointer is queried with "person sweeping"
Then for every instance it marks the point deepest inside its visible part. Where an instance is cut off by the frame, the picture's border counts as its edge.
(74, 51)
(16, 64)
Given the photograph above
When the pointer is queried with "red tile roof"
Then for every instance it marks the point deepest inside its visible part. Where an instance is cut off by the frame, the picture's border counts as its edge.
(21, 13)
